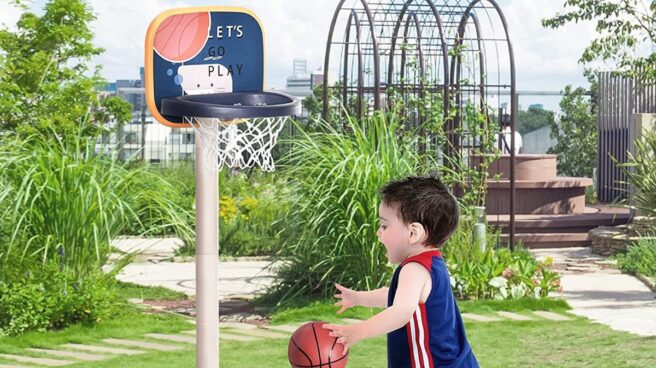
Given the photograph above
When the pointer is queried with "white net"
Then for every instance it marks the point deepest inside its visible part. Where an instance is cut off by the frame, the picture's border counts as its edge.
(240, 143)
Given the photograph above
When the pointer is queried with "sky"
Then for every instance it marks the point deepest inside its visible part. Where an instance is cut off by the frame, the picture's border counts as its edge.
(546, 59)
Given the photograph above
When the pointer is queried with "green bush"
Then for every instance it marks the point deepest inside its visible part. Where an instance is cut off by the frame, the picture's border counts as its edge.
(50, 297)
(639, 258)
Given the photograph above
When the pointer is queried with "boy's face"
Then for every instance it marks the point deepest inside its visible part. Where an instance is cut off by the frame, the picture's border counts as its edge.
(393, 233)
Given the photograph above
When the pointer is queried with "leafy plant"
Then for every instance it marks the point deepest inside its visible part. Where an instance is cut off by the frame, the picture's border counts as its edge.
(336, 177)
(495, 273)
(639, 258)
(64, 201)
(623, 27)
(576, 134)
(49, 296)
(640, 170)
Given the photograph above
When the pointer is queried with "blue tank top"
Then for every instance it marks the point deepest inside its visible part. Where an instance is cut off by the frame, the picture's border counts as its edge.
(435, 336)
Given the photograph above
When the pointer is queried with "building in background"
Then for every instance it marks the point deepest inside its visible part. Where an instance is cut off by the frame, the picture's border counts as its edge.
(302, 82)
(140, 138)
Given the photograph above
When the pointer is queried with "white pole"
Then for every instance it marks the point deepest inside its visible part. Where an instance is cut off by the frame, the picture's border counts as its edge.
(207, 229)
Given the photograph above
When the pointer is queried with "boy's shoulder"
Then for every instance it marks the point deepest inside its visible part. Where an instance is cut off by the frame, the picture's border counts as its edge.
(425, 259)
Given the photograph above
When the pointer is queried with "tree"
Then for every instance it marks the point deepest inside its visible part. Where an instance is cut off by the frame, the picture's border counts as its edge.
(576, 133)
(534, 119)
(44, 73)
(623, 26)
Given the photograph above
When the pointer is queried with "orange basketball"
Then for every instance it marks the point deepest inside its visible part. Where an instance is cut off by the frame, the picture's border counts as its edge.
(311, 347)
(181, 37)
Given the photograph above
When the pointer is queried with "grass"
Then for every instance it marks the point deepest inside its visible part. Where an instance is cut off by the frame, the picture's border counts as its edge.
(539, 343)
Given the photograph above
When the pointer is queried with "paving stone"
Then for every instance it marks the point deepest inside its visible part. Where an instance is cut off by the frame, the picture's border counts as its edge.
(257, 332)
(174, 338)
(260, 332)
(284, 328)
(238, 326)
(143, 344)
(225, 336)
(515, 316)
(479, 318)
(38, 361)
(552, 316)
(71, 354)
(103, 349)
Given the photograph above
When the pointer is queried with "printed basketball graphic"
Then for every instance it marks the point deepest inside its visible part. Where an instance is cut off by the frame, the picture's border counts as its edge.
(181, 37)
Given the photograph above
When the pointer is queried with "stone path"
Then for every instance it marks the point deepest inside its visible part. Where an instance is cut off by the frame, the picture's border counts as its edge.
(596, 290)
(243, 279)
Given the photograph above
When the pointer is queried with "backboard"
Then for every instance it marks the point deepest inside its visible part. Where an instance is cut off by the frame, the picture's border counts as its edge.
(202, 50)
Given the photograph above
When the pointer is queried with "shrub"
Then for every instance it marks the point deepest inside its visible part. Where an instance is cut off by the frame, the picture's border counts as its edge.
(639, 258)
(50, 297)
(495, 273)
(640, 170)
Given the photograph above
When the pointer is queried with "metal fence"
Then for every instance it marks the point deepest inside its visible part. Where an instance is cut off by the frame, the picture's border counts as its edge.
(619, 98)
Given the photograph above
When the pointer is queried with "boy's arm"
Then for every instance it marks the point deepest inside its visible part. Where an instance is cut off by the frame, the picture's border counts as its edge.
(373, 298)
(412, 279)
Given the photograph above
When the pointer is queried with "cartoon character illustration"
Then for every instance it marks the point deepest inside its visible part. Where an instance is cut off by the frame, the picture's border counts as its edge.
(203, 79)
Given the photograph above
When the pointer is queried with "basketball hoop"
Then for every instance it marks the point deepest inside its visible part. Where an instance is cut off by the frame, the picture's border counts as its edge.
(238, 129)
(224, 101)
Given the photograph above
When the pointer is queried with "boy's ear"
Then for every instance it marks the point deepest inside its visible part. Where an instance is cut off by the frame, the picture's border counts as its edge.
(417, 233)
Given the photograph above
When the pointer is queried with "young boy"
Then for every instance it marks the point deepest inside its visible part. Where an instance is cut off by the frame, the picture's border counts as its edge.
(422, 321)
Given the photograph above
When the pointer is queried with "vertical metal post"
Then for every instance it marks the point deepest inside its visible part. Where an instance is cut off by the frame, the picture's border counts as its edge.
(207, 230)
(513, 119)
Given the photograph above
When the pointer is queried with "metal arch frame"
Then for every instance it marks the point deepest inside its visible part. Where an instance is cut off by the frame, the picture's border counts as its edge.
(445, 48)
(353, 18)
(372, 31)
(412, 16)
(513, 104)
(456, 67)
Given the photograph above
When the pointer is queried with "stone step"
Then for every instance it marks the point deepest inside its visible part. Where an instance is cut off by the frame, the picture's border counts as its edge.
(552, 316)
(291, 328)
(173, 338)
(479, 318)
(225, 336)
(38, 361)
(143, 344)
(102, 349)
(71, 354)
(515, 316)
(549, 240)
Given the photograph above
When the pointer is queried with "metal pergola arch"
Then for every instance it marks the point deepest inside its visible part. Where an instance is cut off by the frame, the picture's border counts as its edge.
(458, 54)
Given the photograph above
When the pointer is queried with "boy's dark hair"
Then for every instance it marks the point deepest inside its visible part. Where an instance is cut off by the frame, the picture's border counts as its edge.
(426, 200)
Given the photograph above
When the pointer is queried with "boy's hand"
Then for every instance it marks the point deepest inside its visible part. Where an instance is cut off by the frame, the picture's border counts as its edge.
(349, 298)
(346, 334)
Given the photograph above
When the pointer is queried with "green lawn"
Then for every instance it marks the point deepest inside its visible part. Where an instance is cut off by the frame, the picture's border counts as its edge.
(576, 343)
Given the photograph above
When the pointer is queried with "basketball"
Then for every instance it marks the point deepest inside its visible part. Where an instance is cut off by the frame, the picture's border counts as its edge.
(181, 37)
(311, 347)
